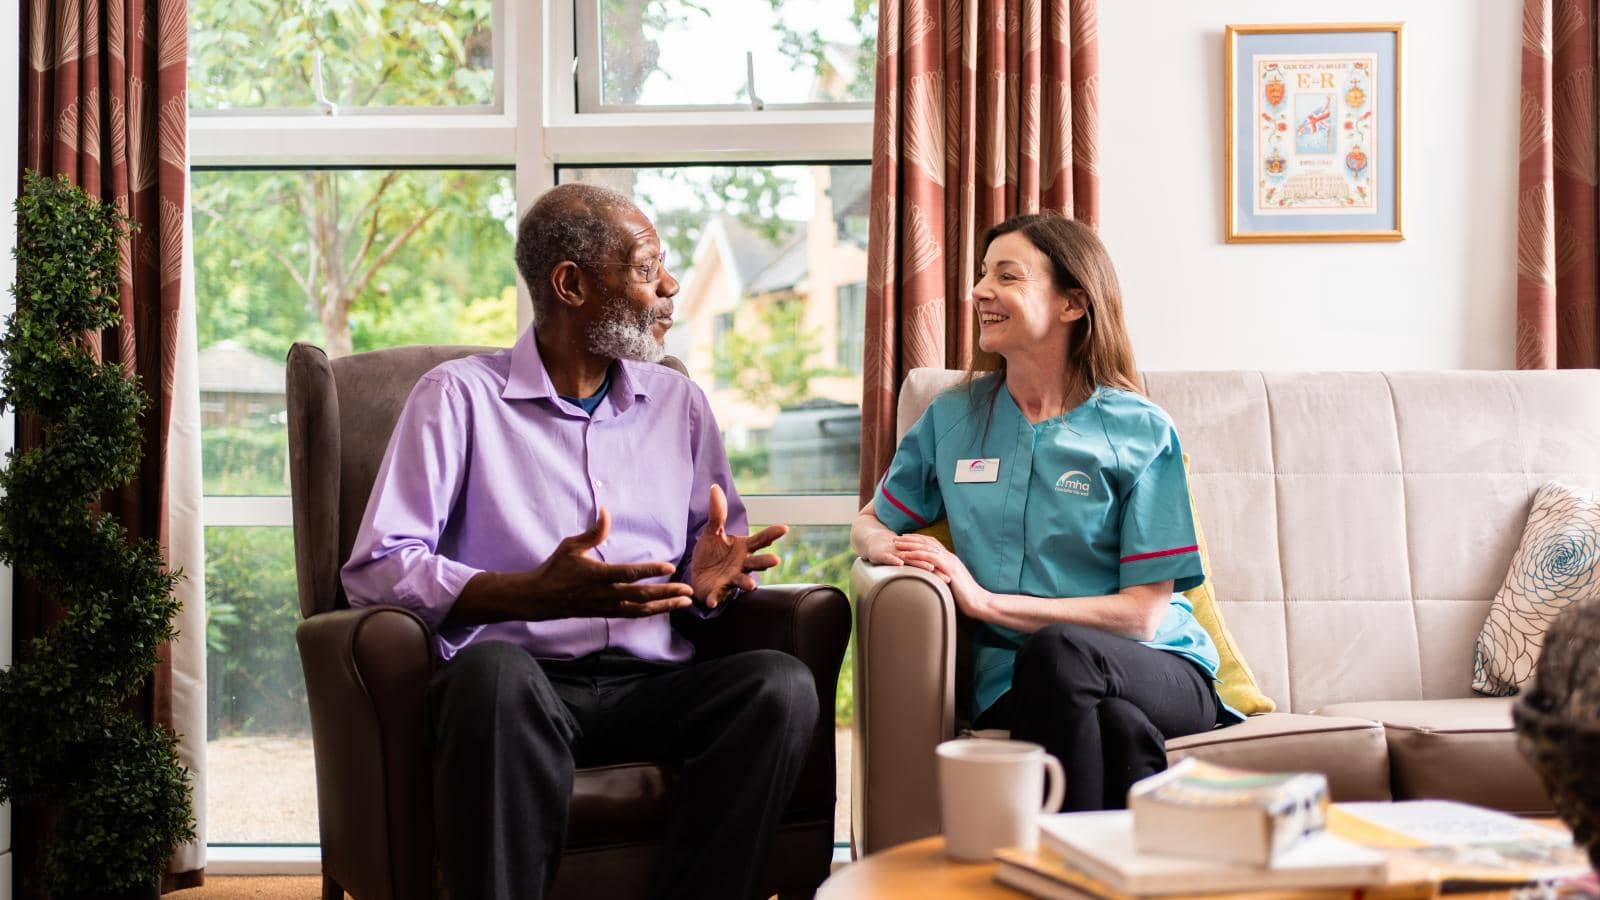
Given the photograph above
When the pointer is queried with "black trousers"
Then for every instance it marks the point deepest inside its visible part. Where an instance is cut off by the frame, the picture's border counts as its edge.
(507, 731)
(1104, 705)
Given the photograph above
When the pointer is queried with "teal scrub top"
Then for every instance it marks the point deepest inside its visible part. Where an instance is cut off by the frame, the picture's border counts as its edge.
(1081, 505)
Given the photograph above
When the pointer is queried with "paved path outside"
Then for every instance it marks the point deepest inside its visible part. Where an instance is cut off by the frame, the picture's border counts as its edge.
(263, 790)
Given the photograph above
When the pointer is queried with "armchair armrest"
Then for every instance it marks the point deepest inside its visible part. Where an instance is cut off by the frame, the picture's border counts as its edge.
(906, 639)
(367, 673)
(810, 622)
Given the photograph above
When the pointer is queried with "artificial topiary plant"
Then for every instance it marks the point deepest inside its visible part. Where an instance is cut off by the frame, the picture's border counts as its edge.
(67, 740)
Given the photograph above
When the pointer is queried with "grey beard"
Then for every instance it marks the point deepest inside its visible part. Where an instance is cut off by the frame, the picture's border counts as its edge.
(625, 332)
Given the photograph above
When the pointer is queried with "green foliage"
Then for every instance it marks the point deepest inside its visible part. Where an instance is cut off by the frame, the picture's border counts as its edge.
(351, 260)
(820, 554)
(67, 739)
(261, 53)
(253, 673)
(750, 467)
(771, 364)
(808, 48)
(248, 460)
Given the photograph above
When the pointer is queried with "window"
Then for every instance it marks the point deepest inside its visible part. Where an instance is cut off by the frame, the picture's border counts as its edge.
(636, 54)
(761, 262)
(722, 325)
(852, 326)
(350, 260)
(326, 56)
(442, 121)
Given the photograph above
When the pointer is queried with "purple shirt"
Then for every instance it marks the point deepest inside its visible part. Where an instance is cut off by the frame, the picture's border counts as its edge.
(488, 469)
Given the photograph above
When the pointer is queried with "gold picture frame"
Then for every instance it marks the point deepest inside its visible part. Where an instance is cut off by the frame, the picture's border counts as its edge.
(1339, 85)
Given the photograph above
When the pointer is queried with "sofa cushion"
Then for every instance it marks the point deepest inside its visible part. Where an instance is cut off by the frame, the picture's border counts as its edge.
(1460, 749)
(1349, 751)
(617, 804)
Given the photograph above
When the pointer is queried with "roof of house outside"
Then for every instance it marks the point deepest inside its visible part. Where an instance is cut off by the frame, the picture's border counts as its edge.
(228, 367)
(783, 272)
(850, 189)
(758, 264)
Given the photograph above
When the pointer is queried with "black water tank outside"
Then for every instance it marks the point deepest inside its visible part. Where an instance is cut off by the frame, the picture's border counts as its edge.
(815, 447)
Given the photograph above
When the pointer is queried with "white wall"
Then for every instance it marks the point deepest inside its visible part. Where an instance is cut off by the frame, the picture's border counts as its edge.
(1443, 298)
(10, 93)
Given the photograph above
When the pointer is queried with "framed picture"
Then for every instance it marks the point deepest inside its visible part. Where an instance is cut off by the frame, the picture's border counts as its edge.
(1313, 132)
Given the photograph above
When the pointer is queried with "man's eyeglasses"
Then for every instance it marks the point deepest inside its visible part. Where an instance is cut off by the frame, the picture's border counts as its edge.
(643, 273)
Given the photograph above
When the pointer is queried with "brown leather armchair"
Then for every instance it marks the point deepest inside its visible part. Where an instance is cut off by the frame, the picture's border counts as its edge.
(367, 671)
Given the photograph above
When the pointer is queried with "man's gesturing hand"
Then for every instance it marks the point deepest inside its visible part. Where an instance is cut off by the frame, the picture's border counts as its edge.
(572, 583)
(722, 562)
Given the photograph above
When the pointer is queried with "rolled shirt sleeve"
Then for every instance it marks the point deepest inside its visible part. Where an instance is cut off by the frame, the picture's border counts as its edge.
(908, 495)
(395, 560)
(1158, 536)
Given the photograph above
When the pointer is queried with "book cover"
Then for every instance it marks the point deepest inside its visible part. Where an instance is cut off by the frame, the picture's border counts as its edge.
(1207, 811)
(1101, 845)
(1040, 873)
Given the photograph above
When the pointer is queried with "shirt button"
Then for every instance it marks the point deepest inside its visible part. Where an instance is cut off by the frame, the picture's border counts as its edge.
(599, 484)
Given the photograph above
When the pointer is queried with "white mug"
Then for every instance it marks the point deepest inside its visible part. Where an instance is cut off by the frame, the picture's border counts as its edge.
(989, 795)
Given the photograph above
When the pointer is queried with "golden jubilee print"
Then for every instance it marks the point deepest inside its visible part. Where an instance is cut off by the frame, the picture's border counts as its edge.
(1313, 133)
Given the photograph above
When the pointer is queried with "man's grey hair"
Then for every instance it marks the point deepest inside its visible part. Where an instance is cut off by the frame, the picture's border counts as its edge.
(570, 222)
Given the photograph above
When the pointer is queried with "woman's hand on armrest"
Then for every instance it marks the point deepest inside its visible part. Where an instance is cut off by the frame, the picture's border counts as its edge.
(872, 540)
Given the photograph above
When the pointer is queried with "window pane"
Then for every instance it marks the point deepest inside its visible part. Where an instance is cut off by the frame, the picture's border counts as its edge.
(805, 51)
(762, 252)
(261, 783)
(348, 260)
(261, 54)
(852, 325)
(820, 554)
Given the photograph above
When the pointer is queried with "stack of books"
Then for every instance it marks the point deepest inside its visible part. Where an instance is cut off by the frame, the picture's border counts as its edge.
(1199, 831)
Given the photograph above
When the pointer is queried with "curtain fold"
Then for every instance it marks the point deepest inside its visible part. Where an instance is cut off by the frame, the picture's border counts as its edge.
(984, 109)
(186, 552)
(104, 103)
(1558, 274)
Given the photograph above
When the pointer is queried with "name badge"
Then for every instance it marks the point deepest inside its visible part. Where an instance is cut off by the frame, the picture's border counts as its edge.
(977, 471)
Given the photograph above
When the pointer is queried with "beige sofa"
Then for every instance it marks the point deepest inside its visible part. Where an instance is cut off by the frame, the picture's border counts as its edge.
(1358, 524)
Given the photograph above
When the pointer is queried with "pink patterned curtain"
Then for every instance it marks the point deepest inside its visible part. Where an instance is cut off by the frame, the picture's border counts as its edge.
(985, 109)
(104, 103)
(1558, 274)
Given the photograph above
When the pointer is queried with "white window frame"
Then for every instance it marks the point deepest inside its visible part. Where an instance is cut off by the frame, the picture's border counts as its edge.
(533, 131)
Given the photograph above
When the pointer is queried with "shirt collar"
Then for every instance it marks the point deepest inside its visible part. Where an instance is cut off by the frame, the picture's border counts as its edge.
(528, 379)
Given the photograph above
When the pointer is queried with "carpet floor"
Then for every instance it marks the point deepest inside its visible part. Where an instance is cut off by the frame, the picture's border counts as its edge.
(255, 887)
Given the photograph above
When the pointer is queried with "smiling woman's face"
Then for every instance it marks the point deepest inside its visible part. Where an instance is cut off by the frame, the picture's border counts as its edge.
(1017, 302)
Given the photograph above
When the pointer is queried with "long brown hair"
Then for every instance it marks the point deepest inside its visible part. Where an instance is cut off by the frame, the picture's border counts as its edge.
(1099, 353)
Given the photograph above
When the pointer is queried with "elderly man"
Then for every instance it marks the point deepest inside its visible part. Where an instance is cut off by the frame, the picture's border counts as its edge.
(543, 508)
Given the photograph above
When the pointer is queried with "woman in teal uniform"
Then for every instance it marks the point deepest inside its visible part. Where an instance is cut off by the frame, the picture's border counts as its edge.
(1068, 507)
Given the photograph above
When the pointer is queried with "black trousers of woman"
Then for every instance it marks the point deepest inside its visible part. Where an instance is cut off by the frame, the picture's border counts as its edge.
(507, 731)
(1104, 705)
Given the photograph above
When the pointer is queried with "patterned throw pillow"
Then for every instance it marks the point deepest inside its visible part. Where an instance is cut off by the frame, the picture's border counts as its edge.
(1557, 565)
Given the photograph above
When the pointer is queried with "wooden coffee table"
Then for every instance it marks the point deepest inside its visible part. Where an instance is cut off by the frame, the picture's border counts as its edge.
(914, 871)
(919, 871)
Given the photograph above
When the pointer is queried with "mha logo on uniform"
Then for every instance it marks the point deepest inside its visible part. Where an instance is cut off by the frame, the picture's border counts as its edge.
(1075, 483)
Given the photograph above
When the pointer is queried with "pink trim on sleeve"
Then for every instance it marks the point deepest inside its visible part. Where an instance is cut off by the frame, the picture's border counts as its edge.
(884, 489)
(1157, 553)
